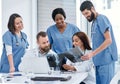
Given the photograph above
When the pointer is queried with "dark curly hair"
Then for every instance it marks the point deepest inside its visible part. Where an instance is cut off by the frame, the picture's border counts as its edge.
(58, 11)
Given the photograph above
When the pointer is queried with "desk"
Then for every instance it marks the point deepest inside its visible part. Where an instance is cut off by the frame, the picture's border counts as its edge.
(76, 78)
(115, 78)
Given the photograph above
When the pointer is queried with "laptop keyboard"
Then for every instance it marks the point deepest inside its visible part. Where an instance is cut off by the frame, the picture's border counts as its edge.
(51, 78)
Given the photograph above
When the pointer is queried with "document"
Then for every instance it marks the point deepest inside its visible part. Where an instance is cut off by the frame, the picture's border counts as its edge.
(73, 54)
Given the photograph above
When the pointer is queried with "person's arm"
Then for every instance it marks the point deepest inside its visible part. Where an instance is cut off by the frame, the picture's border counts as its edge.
(10, 57)
(68, 66)
(104, 45)
(7, 44)
(84, 66)
(11, 63)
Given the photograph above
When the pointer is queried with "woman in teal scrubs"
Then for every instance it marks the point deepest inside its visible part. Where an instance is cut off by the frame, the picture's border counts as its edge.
(14, 45)
(60, 34)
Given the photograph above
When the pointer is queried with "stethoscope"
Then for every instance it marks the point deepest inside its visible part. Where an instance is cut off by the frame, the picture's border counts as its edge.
(17, 42)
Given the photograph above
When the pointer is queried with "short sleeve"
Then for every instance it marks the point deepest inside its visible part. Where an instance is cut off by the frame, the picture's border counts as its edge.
(76, 29)
(7, 38)
(103, 24)
(49, 35)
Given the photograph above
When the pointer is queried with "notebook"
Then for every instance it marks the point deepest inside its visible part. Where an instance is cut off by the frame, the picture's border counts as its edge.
(34, 64)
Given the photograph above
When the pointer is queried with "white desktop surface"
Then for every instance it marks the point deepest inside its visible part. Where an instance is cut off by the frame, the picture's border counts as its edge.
(25, 79)
(115, 78)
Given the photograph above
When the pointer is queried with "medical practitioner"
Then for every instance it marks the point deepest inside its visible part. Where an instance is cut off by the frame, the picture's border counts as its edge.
(60, 34)
(14, 45)
(104, 52)
(81, 40)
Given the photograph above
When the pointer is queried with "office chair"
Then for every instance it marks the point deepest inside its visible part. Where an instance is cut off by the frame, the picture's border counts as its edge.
(51, 60)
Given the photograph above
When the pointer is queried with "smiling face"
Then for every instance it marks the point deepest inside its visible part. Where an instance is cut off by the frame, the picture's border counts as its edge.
(89, 15)
(18, 24)
(77, 42)
(43, 43)
(60, 20)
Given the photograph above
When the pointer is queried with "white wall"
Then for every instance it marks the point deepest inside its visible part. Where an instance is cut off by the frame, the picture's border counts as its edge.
(27, 9)
(45, 8)
(0, 28)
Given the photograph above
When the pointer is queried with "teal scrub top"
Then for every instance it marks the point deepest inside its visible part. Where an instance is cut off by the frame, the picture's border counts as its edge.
(18, 49)
(61, 42)
(110, 54)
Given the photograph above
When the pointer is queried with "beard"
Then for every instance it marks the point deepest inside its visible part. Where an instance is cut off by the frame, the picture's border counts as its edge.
(46, 49)
(91, 17)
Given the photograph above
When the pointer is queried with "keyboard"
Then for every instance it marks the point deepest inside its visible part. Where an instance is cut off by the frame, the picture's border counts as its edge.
(51, 78)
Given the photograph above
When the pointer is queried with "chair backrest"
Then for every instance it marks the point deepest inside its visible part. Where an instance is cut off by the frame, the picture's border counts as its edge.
(51, 60)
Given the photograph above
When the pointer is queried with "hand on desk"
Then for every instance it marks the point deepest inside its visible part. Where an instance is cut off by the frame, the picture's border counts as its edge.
(69, 67)
(12, 69)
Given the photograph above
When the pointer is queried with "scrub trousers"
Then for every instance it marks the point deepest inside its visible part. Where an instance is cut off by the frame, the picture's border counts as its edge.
(105, 73)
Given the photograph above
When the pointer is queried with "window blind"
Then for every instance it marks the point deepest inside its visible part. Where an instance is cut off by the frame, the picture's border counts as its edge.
(45, 8)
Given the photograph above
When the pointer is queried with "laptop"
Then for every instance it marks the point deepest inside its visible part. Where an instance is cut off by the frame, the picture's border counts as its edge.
(34, 64)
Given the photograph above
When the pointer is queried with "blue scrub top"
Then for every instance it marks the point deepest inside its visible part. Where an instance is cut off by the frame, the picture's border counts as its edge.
(110, 54)
(18, 50)
(61, 42)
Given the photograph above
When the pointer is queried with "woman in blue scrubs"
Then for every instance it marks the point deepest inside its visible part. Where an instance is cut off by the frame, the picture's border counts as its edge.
(14, 45)
(104, 52)
(60, 34)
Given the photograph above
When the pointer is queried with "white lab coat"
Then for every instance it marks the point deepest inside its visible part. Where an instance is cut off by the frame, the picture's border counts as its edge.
(85, 66)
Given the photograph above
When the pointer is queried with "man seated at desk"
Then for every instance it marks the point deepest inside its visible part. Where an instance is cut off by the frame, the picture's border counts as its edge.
(42, 50)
